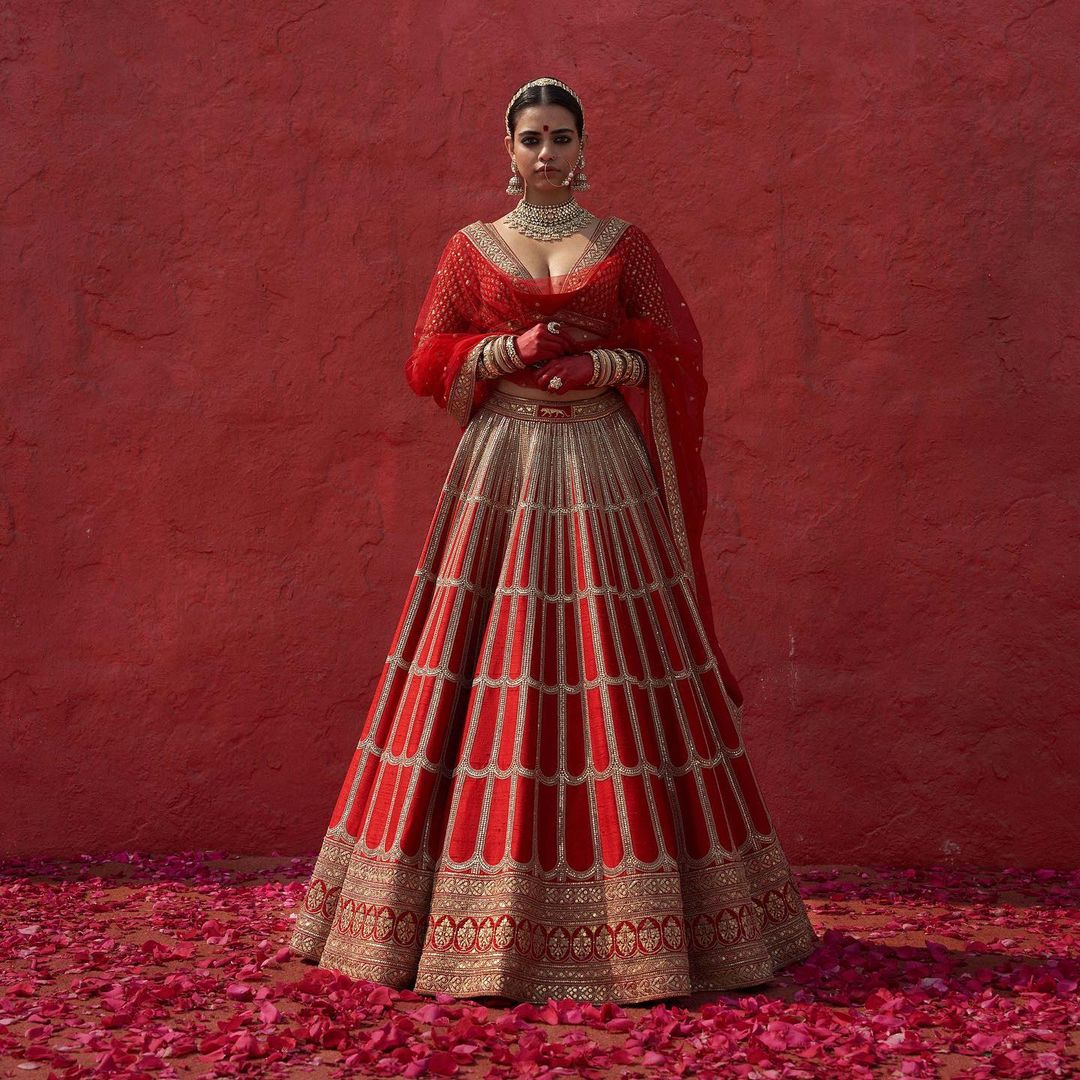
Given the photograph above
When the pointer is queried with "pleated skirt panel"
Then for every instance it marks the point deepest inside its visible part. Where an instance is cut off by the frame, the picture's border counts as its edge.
(550, 796)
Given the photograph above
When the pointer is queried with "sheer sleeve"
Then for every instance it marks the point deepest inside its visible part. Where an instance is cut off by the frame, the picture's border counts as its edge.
(447, 333)
(656, 320)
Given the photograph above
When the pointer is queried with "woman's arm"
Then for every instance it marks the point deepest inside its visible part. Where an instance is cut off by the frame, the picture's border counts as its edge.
(453, 355)
(444, 331)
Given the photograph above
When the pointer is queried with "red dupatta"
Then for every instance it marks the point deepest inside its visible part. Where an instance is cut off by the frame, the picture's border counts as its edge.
(620, 289)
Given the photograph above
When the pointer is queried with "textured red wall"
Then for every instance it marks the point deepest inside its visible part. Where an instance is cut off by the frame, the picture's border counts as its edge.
(218, 223)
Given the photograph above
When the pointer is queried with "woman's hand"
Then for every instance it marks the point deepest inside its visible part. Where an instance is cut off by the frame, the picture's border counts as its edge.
(538, 344)
(575, 370)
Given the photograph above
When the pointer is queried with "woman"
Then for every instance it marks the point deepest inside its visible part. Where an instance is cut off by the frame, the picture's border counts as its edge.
(550, 796)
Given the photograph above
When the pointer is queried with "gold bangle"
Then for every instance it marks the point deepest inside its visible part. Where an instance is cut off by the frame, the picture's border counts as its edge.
(486, 367)
(495, 352)
(502, 355)
(595, 380)
(499, 350)
(476, 353)
(512, 353)
(630, 367)
(612, 358)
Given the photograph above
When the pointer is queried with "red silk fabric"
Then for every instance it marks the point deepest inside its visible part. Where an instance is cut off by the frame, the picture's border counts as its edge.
(619, 289)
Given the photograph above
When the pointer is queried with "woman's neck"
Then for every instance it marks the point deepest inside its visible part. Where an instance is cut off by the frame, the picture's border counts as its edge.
(548, 196)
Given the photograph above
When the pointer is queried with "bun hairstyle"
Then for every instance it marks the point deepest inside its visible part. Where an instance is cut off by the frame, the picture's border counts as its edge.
(545, 92)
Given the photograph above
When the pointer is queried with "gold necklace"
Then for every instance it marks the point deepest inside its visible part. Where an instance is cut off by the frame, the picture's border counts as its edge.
(548, 222)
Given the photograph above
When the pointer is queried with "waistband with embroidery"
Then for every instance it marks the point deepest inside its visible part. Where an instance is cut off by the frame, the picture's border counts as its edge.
(538, 409)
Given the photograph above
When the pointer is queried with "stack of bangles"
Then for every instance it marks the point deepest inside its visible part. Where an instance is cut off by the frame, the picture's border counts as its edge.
(497, 355)
(614, 366)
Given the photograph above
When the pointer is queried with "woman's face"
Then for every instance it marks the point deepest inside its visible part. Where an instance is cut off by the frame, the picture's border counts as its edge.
(545, 146)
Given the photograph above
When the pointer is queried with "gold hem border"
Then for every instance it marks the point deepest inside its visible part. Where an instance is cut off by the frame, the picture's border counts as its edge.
(628, 938)
(619, 989)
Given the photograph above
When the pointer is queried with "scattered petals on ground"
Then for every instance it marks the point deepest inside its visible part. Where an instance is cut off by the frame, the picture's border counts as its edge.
(163, 966)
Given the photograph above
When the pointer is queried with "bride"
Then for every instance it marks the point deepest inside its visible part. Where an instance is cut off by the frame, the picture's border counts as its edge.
(550, 795)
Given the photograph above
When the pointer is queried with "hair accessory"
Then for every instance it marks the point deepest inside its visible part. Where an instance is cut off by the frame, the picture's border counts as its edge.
(543, 82)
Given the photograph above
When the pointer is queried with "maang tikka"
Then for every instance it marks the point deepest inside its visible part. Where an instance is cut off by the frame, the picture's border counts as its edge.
(577, 180)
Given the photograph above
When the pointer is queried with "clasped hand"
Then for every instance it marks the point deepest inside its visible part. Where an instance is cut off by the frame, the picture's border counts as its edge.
(548, 355)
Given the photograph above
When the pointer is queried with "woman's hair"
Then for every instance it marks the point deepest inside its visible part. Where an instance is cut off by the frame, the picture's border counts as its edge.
(546, 94)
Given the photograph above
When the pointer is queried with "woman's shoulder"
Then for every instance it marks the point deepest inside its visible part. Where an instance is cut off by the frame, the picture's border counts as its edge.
(614, 229)
(476, 236)
(471, 231)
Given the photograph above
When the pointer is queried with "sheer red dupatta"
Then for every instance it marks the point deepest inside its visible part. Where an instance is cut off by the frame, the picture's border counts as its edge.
(469, 298)
(452, 320)
(656, 319)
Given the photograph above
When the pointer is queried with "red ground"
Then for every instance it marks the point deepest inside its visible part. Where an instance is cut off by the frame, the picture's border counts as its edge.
(165, 966)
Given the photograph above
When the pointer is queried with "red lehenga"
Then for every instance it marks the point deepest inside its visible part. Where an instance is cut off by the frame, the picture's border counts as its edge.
(551, 796)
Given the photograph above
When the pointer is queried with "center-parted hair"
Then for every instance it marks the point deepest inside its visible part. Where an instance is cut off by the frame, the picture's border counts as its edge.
(546, 94)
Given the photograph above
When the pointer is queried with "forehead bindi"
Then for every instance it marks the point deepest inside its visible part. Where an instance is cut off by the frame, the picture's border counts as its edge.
(526, 130)
(550, 117)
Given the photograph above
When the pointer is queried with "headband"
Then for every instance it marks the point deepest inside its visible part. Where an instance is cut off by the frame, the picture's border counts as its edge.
(543, 82)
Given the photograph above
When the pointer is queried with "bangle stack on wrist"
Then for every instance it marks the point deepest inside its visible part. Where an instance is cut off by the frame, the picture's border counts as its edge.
(614, 366)
(496, 356)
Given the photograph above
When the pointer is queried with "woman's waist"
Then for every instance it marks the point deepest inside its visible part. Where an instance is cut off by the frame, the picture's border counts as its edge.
(523, 384)
(606, 401)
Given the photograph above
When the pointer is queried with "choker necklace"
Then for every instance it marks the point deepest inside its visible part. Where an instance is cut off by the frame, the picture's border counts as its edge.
(548, 222)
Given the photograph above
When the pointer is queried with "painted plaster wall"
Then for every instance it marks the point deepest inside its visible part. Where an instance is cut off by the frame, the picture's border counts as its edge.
(218, 223)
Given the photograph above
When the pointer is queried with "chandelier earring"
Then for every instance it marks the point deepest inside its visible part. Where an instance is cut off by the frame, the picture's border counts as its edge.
(580, 181)
(516, 185)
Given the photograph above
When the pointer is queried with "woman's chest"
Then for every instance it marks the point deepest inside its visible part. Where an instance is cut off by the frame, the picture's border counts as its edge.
(590, 300)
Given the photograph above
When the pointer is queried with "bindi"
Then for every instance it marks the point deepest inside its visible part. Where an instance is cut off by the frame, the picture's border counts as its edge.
(545, 127)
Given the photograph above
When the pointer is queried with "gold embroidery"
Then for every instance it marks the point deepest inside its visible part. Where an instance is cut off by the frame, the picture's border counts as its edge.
(627, 938)
(446, 300)
(459, 403)
(539, 409)
(669, 478)
(483, 691)
(603, 242)
(493, 248)
(559, 598)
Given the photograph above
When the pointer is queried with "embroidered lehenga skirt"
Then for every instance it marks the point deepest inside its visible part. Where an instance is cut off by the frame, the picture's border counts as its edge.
(551, 796)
